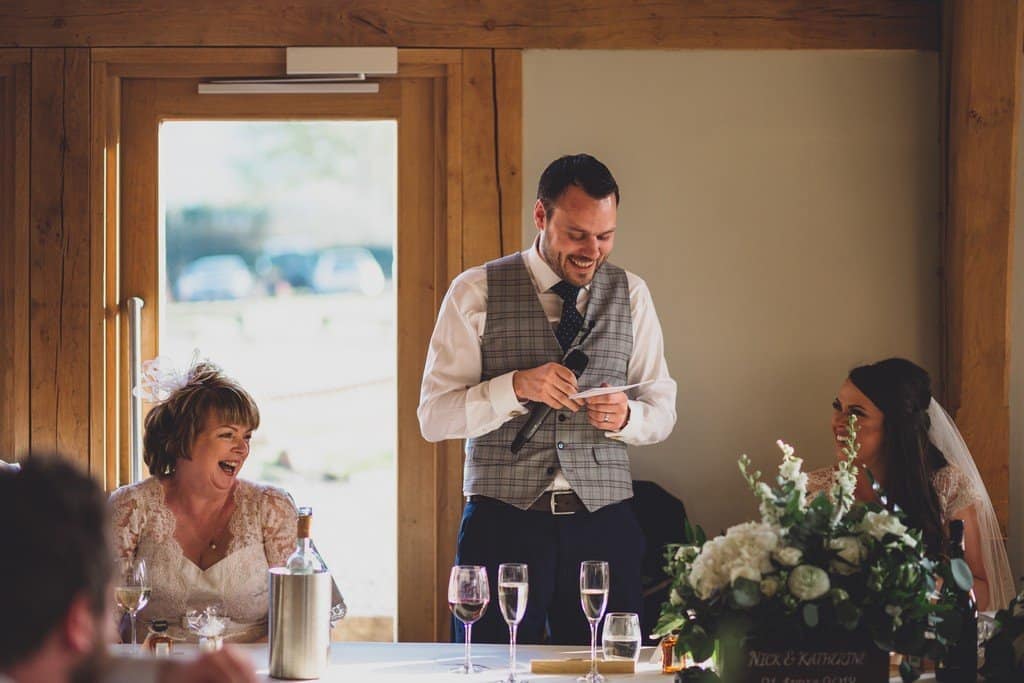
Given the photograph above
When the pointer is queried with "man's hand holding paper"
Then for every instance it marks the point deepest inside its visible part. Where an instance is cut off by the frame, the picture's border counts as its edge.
(608, 411)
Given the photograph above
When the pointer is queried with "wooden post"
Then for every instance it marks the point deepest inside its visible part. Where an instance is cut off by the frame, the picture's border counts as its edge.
(984, 72)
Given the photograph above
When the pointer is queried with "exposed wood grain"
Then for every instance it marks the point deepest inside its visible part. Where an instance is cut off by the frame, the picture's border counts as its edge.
(417, 485)
(449, 453)
(508, 88)
(983, 113)
(578, 24)
(73, 351)
(102, 463)
(481, 214)
(15, 82)
(47, 243)
(107, 124)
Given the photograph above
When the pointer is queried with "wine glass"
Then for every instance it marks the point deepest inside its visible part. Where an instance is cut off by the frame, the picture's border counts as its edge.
(620, 638)
(468, 595)
(594, 598)
(132, 592)
(513, 589)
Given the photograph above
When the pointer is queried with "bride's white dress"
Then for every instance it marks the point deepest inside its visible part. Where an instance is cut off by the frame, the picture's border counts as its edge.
(262, 530)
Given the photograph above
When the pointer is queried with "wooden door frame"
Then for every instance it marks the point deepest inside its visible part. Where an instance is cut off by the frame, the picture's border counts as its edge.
(15, 121)
(429, 483)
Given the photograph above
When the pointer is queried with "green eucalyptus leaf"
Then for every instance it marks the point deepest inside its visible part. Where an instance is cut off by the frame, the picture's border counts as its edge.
(701, 645)
(907, 672)
(746, 593)
(961, 573)
(810, 614)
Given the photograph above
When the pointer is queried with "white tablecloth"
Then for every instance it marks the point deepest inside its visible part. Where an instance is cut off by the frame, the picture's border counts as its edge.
(404, 662)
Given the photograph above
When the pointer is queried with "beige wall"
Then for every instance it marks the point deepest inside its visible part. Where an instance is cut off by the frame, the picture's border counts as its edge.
(783, 208)
(1015, 546)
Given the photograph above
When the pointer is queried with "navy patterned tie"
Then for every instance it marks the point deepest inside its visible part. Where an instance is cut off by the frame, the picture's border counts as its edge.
(571, 322)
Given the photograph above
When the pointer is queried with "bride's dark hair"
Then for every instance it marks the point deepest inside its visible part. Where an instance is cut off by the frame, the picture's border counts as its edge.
(903, 391)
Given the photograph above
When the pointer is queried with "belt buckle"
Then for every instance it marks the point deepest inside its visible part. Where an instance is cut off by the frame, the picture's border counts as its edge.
(554, 509)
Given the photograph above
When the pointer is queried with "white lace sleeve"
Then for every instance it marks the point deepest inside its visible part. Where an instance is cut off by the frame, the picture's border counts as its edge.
(954, 491)
(278, 518)
(128, 517)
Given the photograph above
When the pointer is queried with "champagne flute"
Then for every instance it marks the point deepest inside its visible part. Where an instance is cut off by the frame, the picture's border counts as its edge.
(513, 589)
(468, 595)
(594, 598)
(132, 593)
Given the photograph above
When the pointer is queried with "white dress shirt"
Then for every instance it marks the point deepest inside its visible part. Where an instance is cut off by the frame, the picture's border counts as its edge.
(455, 404)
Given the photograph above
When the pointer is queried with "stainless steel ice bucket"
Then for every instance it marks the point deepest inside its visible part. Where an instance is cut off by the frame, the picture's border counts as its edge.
(300, 629)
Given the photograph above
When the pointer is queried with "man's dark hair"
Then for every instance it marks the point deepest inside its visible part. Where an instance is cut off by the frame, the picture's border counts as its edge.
(581, 170)
(53, 548)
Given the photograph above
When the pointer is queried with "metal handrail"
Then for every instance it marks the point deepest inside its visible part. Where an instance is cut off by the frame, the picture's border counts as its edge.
(135, 305)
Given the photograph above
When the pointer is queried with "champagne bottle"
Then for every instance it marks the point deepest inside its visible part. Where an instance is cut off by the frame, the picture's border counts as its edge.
(305, 559)
(961, 662)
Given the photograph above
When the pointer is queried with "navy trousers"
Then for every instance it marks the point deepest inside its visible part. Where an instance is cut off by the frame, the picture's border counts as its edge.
(553, 546)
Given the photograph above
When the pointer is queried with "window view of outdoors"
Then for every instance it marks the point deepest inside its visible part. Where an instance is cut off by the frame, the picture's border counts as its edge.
(278, 266)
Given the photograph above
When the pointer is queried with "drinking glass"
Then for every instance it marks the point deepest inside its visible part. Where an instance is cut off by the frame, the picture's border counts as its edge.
(513, 589)
(468, 595)
(132, 591)
(620, 638)
(594, 576)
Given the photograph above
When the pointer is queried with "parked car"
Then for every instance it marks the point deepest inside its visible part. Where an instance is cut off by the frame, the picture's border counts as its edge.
(210, 278)
(291, 265)
(348, 269)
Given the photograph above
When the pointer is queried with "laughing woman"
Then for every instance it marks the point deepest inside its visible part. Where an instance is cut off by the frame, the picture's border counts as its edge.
(206, 535)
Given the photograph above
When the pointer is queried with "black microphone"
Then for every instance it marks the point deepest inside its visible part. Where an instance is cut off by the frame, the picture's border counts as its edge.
(575, 361)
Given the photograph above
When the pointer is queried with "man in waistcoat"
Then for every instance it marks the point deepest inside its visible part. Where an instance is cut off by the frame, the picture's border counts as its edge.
(496, 355)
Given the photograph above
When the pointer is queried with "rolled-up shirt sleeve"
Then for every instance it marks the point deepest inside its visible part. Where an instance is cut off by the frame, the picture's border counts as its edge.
(652, 407)
(454, 403)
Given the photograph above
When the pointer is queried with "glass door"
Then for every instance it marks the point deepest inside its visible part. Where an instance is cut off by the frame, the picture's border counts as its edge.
(296, 241)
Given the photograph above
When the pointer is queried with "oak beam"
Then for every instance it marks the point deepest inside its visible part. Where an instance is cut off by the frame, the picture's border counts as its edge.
(984, 72)
(576, 24)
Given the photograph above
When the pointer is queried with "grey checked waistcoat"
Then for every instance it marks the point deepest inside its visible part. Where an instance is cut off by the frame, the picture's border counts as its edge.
(518, 336)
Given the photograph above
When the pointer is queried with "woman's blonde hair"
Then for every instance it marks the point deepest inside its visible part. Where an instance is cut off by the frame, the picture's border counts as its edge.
(173, 425)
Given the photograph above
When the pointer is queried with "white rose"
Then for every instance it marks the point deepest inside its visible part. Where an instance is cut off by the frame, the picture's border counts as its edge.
(788, 556)
(686, 553)
(769, 586)
(851, 554)
(878, 524)
(808, 582)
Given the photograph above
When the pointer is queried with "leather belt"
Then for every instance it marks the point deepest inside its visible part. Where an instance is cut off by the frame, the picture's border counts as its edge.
(553, 502)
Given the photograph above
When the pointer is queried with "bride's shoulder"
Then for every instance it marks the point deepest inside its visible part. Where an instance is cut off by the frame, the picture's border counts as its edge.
(954, 489)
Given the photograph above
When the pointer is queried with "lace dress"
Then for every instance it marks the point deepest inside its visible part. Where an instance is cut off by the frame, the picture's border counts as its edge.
(951, 486)
(262, 530)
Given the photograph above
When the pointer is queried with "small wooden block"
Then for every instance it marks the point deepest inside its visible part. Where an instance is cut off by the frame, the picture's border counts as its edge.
(581, 666)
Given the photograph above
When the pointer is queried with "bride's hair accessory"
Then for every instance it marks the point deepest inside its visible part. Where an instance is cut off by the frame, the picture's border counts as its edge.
(160, 378)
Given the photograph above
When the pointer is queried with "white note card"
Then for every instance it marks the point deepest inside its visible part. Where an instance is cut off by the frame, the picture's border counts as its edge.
(601, 391)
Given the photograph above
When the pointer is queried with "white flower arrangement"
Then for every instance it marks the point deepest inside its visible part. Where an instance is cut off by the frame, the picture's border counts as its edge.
(825, 561)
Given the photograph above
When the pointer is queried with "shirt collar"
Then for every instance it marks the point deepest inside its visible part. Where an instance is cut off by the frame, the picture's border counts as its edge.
(543, 277)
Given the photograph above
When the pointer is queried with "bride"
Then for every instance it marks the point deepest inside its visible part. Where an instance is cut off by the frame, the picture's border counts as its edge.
(207, 536)
(917, 456)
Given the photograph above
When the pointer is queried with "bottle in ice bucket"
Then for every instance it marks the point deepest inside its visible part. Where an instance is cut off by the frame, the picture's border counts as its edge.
(305, 559)
(300, 610)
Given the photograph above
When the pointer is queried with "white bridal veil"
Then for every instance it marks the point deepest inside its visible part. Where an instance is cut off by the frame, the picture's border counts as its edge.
(946, 437)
